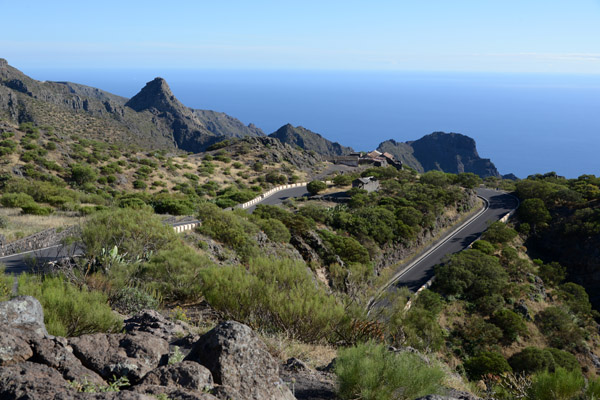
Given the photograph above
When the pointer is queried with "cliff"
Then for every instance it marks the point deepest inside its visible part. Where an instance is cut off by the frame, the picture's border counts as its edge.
(448, 152)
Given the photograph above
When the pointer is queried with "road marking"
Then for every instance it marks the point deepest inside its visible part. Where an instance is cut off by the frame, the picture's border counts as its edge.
(413, 264)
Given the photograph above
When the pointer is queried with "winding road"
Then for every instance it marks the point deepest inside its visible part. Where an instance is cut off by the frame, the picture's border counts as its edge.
(420, 271)
(413, 275)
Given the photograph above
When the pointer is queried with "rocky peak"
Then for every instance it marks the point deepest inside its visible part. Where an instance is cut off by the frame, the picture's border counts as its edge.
(3, 63)
(155, 95)
(308, 140)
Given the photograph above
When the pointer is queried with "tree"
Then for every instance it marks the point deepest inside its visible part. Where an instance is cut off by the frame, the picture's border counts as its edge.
(82, 174)
(534, 211)
(314, 187)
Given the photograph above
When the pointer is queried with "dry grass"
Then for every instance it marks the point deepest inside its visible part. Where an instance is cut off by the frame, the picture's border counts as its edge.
(20, 225)
(283, 348)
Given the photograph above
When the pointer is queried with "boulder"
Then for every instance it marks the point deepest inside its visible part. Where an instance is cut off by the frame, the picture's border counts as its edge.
(239, 359)
(173, 392)
(226, 393)
(129, 355)
(13, 349)
(187, 375)
(29, 380)
(55, 352)
(23, 312)
(153, 322)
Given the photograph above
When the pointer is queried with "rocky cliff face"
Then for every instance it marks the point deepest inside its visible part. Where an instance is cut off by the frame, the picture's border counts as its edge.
(448, 152)
(154, 118)
(309, 141)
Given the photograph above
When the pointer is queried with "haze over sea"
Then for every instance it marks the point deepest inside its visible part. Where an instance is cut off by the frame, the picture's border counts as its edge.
(525, 123)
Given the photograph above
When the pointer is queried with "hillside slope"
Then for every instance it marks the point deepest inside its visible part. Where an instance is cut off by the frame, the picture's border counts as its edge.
(153, 119)
(309, 141)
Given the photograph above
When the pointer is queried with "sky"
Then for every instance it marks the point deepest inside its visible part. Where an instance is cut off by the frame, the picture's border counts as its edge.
(516, 36)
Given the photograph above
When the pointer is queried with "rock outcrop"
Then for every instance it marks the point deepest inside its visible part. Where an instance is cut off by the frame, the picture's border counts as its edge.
(309, 141)
(229, 362)
(448, 152)
(237, 358)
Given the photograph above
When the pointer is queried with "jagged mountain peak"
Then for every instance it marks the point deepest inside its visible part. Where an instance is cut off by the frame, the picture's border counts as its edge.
(155, 95)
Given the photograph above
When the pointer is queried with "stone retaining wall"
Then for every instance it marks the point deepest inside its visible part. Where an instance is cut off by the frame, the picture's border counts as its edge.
(46, 238)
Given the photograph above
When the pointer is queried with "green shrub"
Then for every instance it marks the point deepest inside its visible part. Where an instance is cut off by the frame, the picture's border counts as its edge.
(484, 246)
(552, 273)
(343, 179)
(16, 200)
(488, 362)
(314, 187)
(274, 295)
(139, 184)
(558, 385)
(532, 359)
(228, 228)
(498, 232)
(559, 328)
(511, 324)
(175, 273)
(564, 359)
(371, 372)
(576, 298)
(131, 300)
(82, 174)
(68, 310)
(136, 233)
(274, 229)
(35, 209)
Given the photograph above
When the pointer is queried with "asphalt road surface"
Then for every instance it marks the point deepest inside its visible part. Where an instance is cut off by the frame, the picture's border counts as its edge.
(281, 196)
(23, 262)
(417, 274)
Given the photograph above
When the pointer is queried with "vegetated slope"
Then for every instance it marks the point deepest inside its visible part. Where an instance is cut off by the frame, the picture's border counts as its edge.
(153, 119)
(563, 216)
(448, 152)
(310, 141)
(55, 173)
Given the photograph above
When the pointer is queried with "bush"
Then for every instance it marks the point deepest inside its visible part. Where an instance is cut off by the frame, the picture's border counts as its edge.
(82, 174)
(35, 209)
(175, 274)
(228, 228)
(559, 328)
(511, 323)
(485, 363)
(139, 184)
(552, 273)
(274, 295)
(558, 385)
(499, 233)
(532, 359)
(484, 246)
(274, 229)
(68, 310)
(16, 200)
(371, 372)
(314, 187)
(136, 233)
(131, 300)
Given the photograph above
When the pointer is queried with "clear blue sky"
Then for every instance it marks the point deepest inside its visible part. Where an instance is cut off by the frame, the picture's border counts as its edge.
(556, 36)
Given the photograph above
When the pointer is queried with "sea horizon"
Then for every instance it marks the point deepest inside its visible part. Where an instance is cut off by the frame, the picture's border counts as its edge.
(525, 123)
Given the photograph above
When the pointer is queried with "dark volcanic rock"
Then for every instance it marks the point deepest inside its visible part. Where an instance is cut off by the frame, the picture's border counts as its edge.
(28, 380)
(448, 152)
(130, 355)
(173, 393)
(188, 131)
(153, 322)
(23, 312)
(187, 375)
(451, 152)
(239, 359)
(13, 349)
(309, 141)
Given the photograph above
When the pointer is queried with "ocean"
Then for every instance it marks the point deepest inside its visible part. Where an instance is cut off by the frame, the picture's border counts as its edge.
(524, 123)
